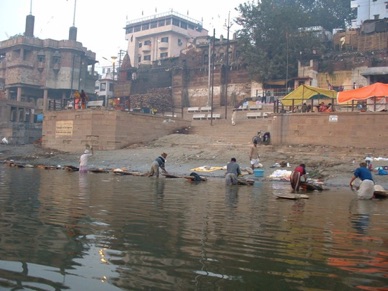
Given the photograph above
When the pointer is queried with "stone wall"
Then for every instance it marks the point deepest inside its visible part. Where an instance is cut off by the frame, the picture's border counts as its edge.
(197, 87)
(341, 129)
(73, 131)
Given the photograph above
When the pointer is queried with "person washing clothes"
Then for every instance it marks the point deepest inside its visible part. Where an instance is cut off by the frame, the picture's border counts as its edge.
(366, 188)
(83, 160)
(296, 177)
(159, 162)
(232, 172)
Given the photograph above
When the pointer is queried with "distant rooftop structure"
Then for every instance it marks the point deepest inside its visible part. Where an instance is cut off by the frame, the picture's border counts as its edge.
(165, 14)
(160, 36)
(369, 10)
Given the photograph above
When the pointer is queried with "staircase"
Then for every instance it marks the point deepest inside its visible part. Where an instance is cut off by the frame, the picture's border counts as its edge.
(222, 129)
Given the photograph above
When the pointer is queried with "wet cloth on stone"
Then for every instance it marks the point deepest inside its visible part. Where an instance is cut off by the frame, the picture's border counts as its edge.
(207, 169)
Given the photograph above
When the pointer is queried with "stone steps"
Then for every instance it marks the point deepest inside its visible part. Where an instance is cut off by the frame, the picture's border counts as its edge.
(223, 130)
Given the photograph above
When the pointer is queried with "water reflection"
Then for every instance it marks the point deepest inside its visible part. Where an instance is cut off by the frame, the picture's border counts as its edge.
(112, 232)
(360, 215)
(231, 194)
(83, 184)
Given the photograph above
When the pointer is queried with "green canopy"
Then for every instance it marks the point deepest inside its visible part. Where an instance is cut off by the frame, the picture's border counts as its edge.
(305, 92)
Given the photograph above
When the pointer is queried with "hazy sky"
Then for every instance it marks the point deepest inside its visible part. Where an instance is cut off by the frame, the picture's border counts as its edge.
(100, 24)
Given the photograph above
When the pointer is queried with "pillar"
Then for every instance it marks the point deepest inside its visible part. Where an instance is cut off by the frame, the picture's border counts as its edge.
(19, 94)
(45, 99)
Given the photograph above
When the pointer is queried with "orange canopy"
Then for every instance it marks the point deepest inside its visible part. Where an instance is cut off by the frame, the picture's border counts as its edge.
(374, 90)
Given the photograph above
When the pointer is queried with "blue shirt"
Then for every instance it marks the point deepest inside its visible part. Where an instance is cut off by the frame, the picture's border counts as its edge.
(363, 174)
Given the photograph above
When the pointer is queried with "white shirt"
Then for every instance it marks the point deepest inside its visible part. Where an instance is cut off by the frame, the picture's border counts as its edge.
(83, 160)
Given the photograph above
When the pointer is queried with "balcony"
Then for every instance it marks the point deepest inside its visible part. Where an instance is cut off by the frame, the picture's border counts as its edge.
(146, 48)
(163, 45)
(146, 62)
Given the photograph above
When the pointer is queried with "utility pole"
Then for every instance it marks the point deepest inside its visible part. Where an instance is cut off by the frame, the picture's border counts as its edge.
(75, 6)
(227, 66)
(121, 54)
(209, 73)
(212, 74)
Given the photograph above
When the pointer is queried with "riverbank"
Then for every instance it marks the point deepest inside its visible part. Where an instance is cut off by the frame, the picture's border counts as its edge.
(333, 165)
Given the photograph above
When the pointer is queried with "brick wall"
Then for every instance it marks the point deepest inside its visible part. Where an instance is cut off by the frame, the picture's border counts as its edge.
(73, 131)
(341, 129)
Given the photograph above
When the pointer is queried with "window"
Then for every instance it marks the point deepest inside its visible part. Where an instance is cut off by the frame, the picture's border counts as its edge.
(205, 59)
(56, 57)
(161, 23)
(147, 42)
(168, 21)
(147, 58)
(129, 30)
(179, 42)
(140, 44)
(184, 25)
(103, 86)
(41, 58)
(175, 22)
(154, 24)
(137, 28)
(145, 26)
(110, 87)
(163, 55)
(139, 59)
(164, 39)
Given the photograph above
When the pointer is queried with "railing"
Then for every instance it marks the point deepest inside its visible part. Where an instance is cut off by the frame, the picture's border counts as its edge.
(54, 105)
(312, 105)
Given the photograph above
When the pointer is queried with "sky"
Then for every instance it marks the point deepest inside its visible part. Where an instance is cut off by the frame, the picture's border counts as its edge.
(100, 24)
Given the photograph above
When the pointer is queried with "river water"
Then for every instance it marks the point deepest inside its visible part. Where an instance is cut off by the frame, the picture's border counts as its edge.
(68, 231)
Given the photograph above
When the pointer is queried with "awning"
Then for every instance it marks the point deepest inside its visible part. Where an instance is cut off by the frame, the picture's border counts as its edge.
(374, 90)
(305, 92)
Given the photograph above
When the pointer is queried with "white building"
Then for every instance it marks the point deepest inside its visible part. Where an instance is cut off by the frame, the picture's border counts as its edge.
(369, 10)
(160, 36)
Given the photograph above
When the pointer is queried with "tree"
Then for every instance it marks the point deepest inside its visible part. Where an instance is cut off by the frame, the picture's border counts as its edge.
(274, 37)
(329, 14)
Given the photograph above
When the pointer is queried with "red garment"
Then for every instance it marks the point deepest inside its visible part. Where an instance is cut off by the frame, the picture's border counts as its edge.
(301, 170)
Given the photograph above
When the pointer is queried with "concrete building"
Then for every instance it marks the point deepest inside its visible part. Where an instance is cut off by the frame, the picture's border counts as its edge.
(37, 75)
(369, 10)
(110, 77)
(160, 36)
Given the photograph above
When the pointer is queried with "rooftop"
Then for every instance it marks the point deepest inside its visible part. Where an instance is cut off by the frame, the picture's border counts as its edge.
(164, 14)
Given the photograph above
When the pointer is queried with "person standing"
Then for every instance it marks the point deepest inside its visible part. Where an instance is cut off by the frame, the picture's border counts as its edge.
(296, 176)
(234, 116)
(83, 99)
(232, 172)
(254, 156)
(159, 162)
(83, 160)
(77, 98)
(366, 188)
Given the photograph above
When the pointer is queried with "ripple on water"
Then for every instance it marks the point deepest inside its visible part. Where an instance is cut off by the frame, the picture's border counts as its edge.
(124, 232)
